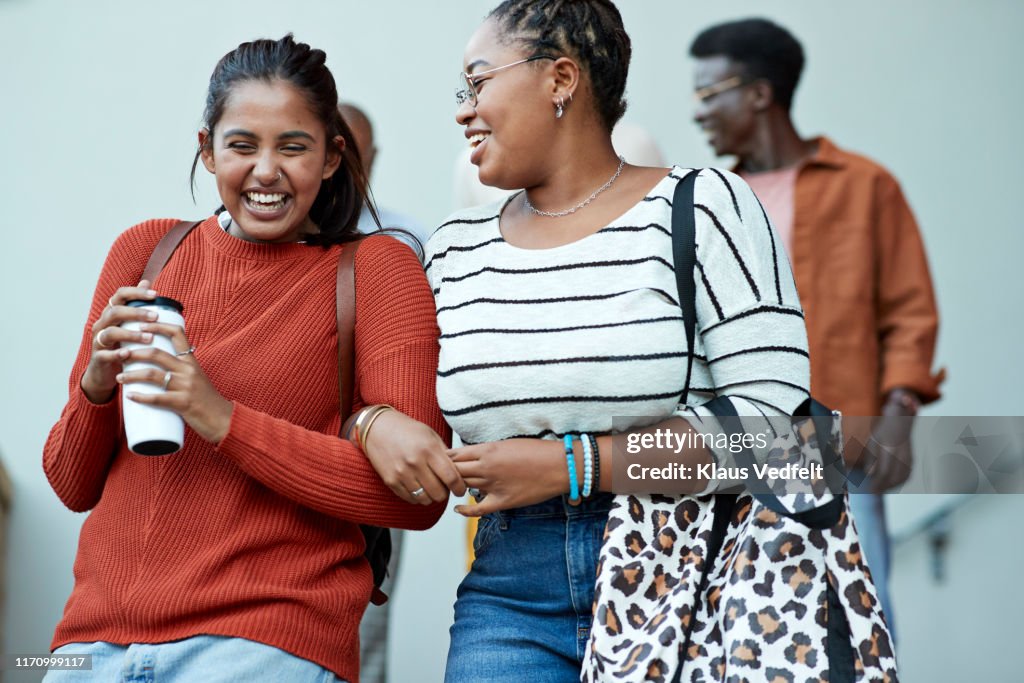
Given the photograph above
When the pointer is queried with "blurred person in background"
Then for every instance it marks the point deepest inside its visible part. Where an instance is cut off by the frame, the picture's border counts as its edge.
(399, 225)
(857, 256)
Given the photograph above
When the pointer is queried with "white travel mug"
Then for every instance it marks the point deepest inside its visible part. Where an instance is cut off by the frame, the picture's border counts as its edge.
(151, 430)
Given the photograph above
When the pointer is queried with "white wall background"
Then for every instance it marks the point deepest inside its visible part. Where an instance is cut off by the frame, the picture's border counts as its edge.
(100, 102)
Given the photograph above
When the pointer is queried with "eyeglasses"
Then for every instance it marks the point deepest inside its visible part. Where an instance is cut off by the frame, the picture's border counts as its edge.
(467, 82)
(708, 91)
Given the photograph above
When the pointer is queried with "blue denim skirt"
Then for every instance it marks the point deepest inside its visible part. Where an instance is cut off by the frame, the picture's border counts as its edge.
(523, 612)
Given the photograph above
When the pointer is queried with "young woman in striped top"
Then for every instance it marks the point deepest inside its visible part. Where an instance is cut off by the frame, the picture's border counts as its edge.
(558, 313)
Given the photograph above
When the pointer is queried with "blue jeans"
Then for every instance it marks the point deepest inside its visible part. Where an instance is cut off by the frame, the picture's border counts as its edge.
(868, 510)
(523, 612)
(211, 659)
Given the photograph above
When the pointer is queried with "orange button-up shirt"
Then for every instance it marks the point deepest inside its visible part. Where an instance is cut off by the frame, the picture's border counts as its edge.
(863, 279)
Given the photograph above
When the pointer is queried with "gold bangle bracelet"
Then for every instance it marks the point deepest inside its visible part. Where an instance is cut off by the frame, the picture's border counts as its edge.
(369, 423)
(351, 422)
(360, 421)
(364, 420)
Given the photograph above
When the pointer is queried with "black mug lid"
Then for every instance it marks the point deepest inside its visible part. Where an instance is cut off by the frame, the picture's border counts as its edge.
(164, 301)
(156, 447)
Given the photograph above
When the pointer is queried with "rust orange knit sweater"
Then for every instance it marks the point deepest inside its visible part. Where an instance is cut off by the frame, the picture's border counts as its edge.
(257, 537)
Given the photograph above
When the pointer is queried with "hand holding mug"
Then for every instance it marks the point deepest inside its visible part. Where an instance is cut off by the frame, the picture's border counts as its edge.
(181, 386)
(98, 382)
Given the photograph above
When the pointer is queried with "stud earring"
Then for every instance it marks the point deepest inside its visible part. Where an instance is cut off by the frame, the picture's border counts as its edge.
(559, 109)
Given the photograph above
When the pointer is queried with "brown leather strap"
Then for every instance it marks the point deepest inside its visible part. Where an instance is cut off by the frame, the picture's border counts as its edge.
(346, 305)
(164, 248)
(346, 309)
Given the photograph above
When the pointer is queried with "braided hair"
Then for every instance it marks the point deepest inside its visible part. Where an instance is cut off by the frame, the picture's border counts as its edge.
(589, 31)
(341, 197)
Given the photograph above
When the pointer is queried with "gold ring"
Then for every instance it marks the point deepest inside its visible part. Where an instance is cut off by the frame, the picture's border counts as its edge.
(167, 380)
(99, 339)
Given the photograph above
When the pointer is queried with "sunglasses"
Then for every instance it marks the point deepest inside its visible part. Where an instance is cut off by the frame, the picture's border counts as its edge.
(708, 91)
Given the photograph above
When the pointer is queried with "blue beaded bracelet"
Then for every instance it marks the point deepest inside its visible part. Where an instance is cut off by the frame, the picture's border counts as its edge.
(597, 464)
(588, 466)
(570, 462)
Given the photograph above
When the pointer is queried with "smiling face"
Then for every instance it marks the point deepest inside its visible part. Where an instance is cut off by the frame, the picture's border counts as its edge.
(511, 126)
(729, 117)
(269, 153)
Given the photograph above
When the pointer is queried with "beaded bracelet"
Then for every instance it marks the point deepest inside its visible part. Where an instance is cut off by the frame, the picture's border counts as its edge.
(596, 470)
(588, 466)
(570, 463)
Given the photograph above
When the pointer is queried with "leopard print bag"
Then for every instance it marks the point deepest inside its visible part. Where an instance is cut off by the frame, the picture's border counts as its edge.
(730, 588)
(780, 601)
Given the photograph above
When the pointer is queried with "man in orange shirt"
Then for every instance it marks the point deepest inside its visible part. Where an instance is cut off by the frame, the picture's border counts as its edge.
(857, 256)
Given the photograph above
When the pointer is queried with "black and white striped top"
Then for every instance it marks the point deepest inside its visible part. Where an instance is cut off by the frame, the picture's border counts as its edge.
(541, 342)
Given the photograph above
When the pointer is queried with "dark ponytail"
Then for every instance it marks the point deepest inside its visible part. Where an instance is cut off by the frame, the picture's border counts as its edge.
(341, 197)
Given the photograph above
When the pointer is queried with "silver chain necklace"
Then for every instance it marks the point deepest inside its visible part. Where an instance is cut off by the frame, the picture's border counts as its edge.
(559, 214)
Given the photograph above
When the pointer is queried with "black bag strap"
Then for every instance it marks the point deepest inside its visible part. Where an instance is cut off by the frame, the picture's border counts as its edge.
(822, 517)
(684, 256)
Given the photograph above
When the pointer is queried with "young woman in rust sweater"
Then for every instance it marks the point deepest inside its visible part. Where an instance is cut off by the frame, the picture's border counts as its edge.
(241, 554)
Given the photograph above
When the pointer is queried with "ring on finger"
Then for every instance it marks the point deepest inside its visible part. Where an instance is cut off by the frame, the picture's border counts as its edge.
(167, 379)
(99, 339)
(110, 302)
(417, 492)
(191, 349)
